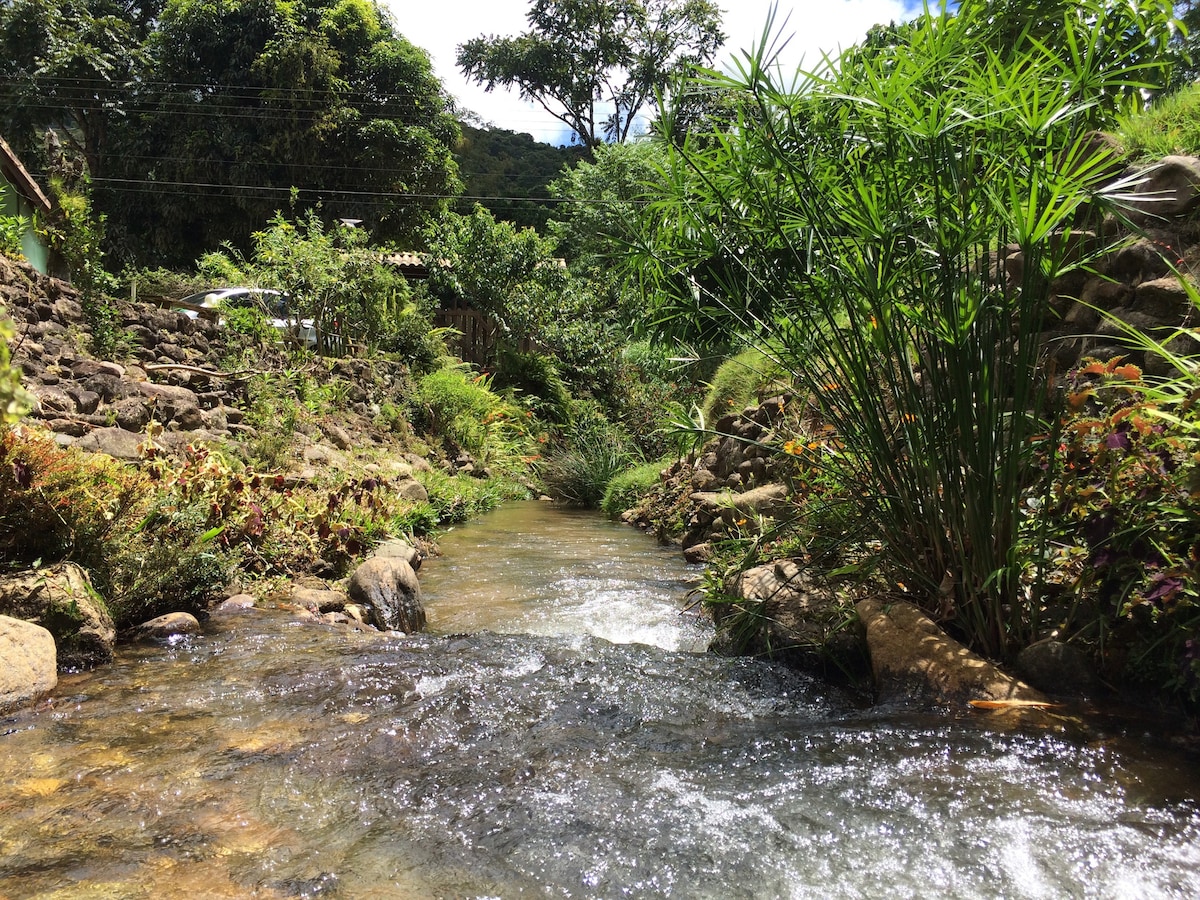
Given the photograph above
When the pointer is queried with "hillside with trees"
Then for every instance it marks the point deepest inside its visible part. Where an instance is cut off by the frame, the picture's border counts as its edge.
(510, 174)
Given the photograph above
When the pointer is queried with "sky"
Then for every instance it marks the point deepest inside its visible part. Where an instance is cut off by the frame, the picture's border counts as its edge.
(439, 26)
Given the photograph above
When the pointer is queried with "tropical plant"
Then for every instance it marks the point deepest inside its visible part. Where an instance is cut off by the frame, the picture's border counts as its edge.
(1123, 525)
(535, 383)
(12, 227)
(595, 65)
(863, 223)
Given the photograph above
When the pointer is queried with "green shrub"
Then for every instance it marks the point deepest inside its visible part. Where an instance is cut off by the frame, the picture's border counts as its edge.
(463, 410)
(740, 381)
(650, 386)
(454, 499)
(536, 383)
(627, 488)
(1170, 127)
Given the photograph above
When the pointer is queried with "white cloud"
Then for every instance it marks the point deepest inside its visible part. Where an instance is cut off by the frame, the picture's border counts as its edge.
(814, 26)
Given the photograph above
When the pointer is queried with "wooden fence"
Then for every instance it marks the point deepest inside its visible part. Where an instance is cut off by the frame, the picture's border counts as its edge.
(477, 335)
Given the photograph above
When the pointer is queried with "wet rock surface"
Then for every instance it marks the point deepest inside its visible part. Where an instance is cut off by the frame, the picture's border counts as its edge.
(28, 663)
(915, 662)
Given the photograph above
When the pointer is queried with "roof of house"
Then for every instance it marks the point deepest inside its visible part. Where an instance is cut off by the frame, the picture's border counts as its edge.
(16, 175)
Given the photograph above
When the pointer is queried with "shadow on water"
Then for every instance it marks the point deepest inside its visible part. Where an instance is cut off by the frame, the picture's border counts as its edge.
(518, 750)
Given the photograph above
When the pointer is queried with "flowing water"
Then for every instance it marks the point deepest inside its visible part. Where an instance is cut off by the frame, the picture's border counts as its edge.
(555, 734)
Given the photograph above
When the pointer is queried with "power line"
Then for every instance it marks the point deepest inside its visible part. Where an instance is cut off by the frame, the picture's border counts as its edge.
(378, 198)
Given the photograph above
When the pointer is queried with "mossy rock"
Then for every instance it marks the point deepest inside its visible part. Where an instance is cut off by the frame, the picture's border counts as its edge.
(62, 600)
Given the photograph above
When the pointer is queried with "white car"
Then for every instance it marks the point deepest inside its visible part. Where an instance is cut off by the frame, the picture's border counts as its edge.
(275, 305)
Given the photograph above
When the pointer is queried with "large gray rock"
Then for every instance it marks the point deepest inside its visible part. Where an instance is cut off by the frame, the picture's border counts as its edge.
(914, 661)
(398, 548)
(1169, 189)
(62, 600)
(413, 490)
(170, 400)
(770, 501)
(387, 588)
(28, 668)
(1057, 668)
(116, 442)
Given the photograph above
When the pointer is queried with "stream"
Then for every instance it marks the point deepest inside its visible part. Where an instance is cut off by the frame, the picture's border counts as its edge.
(557, 732)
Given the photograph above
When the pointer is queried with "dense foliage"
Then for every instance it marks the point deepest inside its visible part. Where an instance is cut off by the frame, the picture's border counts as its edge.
(333, 277)
(854, 228)
(197, 120)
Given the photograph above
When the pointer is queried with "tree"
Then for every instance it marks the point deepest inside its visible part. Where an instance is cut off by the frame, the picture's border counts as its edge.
(600, 217)
(512, 275)
(507, 272)
(69, 66)
(197, 118)
(248, 99)
(594, 64)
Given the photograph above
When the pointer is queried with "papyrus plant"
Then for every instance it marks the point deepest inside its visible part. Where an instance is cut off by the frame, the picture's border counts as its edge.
(892, 229)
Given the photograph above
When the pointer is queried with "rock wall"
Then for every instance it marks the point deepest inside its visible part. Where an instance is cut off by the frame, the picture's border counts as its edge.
(1127, 275)
(170, 372)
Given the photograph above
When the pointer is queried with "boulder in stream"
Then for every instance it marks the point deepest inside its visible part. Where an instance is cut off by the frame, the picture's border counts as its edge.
(167, 626)
(28, 665)
(914, 661)
(387, 588)
(398, 548)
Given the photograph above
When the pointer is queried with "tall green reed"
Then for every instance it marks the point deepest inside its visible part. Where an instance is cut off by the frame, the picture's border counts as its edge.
(891, 230)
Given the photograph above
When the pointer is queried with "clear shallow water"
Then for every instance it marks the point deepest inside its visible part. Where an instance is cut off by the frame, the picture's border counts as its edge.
(274, 759)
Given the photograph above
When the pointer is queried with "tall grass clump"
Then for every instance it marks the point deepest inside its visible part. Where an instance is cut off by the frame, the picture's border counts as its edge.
(1170, 127)
(627, 488)
(462, 408)
(741, 381)
(590, 452)
(863, 226)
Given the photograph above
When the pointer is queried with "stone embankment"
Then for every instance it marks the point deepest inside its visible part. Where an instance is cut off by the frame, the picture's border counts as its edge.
(174, 371)
(174, 386)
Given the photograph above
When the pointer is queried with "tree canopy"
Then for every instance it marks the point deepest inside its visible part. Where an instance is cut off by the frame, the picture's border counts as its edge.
(594, 64)
(201, 118)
